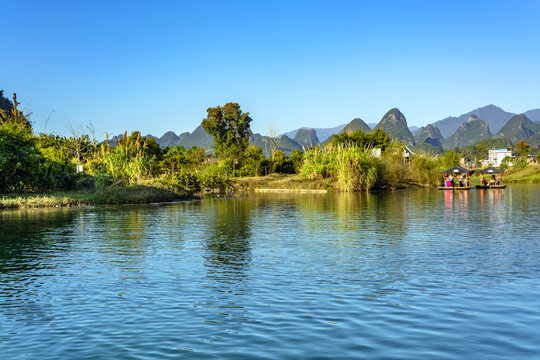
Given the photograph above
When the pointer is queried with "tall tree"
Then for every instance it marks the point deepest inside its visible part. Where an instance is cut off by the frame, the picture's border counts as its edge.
(10, 113)
(230, 128)
(5, 103)
(523, 148)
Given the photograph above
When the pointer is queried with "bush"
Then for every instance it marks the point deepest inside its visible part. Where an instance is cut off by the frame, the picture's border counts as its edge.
(101, 181)
(19, 159)
(355, 168)
(519, 163)
(281, 164)
(425, 170)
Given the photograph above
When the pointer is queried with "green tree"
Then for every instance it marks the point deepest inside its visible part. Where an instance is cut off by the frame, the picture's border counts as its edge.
(230, 128)
(10, 113)
(254, 162)
(5, 103)
(523, 148)
(19, 158)
(297, 158)
(174, 159)
(450, 159)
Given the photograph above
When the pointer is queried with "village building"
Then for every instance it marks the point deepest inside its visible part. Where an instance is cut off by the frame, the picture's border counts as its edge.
(496, 156)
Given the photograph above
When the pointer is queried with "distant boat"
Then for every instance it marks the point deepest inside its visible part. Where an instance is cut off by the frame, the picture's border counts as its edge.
(490, 186)
(455, 188)
(491, 171)
(457, 170)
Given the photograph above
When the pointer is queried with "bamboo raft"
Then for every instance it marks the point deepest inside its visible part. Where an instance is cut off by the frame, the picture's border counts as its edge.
(490, 186)
(456, 188)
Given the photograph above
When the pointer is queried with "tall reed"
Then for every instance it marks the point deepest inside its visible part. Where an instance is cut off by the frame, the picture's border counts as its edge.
(354, 168)
(126, 161)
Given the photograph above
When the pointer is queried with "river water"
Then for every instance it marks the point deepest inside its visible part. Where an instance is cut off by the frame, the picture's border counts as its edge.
(400, 275)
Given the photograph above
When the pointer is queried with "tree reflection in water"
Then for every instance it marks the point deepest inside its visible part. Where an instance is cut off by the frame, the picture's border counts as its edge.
(228, 250)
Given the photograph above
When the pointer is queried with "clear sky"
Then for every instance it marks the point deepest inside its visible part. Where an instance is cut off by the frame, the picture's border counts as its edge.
(156, 66)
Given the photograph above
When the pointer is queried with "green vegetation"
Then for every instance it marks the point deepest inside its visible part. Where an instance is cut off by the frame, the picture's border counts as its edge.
(230, 128)
(355, 166)
(133, 194)
(377, 138)
(530, 173)
(39, 170)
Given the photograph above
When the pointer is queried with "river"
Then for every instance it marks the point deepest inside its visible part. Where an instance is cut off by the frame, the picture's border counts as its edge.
(399, 275)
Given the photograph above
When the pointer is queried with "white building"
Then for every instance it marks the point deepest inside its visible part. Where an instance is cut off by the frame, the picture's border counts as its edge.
(496, 156)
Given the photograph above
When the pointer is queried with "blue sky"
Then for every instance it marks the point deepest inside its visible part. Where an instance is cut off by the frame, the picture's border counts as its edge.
(156, 66)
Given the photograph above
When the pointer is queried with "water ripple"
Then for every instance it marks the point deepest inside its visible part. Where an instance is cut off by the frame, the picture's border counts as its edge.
(403, 275)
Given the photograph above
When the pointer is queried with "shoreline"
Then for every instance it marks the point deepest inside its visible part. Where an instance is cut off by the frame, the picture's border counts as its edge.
(149, 194)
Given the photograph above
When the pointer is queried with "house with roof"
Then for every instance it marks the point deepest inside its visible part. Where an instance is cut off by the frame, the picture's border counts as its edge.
(496, 156)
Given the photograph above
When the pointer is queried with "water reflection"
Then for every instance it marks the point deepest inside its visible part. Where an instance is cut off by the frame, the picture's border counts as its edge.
(31, 238)
(227, 240)
(32, 245)
(422, 269)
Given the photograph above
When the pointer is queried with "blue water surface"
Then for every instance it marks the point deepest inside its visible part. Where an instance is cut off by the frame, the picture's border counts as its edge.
(413, 274)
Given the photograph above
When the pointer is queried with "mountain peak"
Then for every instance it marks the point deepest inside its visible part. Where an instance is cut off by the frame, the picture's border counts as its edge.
(306, 137)
(472, 118)
(355, 125)
(395, 124)
(429, 134)
(468, 133)
(519, 127)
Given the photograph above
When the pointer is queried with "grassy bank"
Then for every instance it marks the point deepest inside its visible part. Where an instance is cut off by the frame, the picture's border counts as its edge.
(282, 181)
(295, 182)
(527, 175)
(135, 194)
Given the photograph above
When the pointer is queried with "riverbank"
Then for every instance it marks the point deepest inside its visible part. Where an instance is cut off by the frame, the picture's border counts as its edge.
(295, 183)
(291, 182)
(527, 175)
(135, 194)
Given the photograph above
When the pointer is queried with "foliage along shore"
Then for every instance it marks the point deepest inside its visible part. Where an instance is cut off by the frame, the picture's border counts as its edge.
(40, 169)
(114, 195)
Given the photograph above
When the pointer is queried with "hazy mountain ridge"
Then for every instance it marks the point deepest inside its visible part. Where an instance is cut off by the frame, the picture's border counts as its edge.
(322, 133)
(393, 122)
(519, 127)
(469, 133)
(494, 115)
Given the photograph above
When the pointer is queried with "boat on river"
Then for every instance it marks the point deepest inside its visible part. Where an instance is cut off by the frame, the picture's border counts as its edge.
(491, 186)
(448, 179)
(455, 188)
(494, 183)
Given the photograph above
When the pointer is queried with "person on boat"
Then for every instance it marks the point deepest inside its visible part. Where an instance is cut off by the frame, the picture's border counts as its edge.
(465, 181)
(460, 181)
(499, 180)
(483, 181)
(492, 180)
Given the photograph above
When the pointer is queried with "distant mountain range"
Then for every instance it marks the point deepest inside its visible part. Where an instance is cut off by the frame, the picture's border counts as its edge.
(468, 133)
(448, 133)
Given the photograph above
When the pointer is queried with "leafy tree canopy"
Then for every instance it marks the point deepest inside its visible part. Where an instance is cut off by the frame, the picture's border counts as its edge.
(523, 148)
(450, 159)
(230, 128)
(10, 113)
